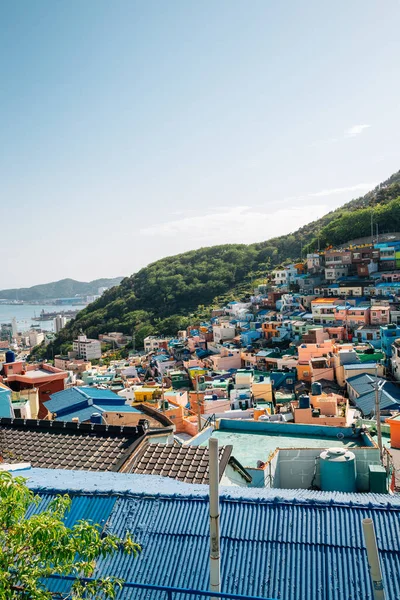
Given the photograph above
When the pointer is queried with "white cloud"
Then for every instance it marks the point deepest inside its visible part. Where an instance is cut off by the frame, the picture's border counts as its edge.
(360, 187)
(349, 133)
(355, 130)
(239, 224)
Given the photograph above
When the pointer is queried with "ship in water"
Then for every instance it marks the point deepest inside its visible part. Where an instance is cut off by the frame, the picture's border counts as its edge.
(48, 316)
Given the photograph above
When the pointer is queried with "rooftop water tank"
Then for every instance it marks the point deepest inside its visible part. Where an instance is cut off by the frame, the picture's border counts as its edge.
(338, 470)
(10, 356)
(304, 402)
(96, 418)
(316, 389)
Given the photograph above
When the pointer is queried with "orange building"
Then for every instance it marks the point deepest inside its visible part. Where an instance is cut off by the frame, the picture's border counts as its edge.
(394, 424)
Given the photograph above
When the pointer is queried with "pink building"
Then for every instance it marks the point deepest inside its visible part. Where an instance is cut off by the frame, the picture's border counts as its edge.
(380, 314)
(227, 359)
(390, 277)
(353, 316)
(308, 351)
(336, 333)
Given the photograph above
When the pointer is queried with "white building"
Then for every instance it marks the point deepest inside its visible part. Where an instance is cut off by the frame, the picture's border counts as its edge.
(90, 299)
(59, 322)
(152, 343)
(101, 290)
(35, 337)
(223, 332)
(285, 276)
(14, 327)
(86, 348)
(333, 273)
(313, 262)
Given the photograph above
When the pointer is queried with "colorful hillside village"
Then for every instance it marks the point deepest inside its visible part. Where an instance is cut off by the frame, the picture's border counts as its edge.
(299, 383)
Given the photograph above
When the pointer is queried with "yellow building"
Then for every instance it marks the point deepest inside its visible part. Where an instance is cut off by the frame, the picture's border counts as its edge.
(147, 394)
(262, 390)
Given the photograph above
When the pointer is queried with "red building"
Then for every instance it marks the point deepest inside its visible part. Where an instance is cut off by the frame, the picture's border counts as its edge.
(43, 377)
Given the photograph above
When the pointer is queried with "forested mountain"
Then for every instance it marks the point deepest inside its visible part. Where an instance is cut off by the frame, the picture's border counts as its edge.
(159, 298)
(65, 288)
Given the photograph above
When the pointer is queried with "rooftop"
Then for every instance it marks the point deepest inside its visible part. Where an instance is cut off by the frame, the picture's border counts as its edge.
(288, 544)
(252, 444)
(60, 445)
(185, 463)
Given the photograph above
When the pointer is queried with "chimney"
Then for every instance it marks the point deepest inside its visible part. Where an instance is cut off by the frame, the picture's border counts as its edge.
(215, 584)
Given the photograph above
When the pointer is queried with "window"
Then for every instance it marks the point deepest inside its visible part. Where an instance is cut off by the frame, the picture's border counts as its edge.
(289, 381)
(17, 413)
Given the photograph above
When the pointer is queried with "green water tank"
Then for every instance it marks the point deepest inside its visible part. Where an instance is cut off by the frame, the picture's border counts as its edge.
(338, 470)
(377, 479)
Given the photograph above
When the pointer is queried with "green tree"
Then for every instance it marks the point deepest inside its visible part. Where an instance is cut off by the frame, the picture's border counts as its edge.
(36, 547)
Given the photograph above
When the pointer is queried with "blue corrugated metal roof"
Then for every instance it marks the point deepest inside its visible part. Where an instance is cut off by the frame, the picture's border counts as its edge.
(309, 547)
(66, 398)
(366, 402)
(116, 407)
(97, 393)
(83, 414)
(96, 509)
(389, 396)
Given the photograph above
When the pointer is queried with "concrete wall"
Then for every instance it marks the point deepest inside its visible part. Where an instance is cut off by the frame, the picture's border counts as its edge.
(201, 437)
(300, 468)
(289, 428)
(233, 477)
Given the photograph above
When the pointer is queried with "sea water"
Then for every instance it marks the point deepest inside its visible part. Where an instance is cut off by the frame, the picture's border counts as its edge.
(24, 314)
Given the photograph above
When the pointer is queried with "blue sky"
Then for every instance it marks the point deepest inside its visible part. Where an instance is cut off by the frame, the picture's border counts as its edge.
(134, 130)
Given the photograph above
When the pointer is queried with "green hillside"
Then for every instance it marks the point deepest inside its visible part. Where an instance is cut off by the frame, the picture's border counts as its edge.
(160, 297)
(65, 288)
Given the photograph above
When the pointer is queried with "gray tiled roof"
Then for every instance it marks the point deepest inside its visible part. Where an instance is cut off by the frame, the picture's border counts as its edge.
(58, 445)
(185, 463)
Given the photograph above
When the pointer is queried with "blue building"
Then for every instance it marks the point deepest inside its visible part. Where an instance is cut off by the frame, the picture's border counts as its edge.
(247, 337)
(389, 333)
(361, 392)
(83, 402)
(6, 409)
(286, 544)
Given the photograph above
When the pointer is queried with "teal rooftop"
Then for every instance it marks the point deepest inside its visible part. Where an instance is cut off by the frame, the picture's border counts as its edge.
(255, 441)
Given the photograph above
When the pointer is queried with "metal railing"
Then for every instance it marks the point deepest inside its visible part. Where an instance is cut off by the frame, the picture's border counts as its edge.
(208, 422)
(170, 592)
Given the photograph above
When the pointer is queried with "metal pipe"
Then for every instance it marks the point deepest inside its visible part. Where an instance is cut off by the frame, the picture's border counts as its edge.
(213, 477)
(373, 559)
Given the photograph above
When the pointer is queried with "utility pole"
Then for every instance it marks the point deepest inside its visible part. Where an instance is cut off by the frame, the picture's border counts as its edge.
(215, 553)
(162, 394)
(198, 405)
(377, 387)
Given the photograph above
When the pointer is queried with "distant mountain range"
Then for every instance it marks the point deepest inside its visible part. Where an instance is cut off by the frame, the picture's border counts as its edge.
(65, 288)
